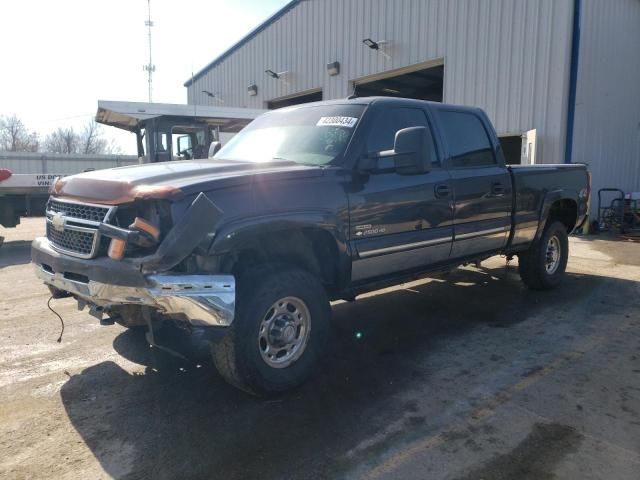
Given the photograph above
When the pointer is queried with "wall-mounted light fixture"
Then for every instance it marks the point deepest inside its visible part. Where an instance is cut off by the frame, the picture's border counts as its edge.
(216, 96)
(371, 44)
(282, 76)
(252, 90)
(333, 68)
(377, 45)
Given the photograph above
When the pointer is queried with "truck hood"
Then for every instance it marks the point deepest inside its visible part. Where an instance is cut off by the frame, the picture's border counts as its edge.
(171, 180)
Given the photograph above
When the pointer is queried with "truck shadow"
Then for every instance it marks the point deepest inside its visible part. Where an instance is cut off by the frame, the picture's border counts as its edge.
(15, 253)
(181, 420)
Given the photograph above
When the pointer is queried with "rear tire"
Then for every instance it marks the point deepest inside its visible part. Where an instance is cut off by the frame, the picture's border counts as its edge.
(279, 331)
(542, 267)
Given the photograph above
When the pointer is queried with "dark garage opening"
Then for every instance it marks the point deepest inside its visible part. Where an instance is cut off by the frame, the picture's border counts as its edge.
(287, 102)
(511, 147)
(427, 84)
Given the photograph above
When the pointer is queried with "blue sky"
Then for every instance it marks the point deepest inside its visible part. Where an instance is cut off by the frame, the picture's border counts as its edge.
(60, 57)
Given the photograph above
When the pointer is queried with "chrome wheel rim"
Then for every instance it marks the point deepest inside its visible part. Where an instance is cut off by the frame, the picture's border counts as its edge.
(552, 257)
(284, 332)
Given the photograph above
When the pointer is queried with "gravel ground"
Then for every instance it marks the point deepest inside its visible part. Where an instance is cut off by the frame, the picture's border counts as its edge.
(472, 378)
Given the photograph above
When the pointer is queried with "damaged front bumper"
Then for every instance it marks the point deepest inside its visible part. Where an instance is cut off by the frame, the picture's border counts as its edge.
(200, 299)
(203, 300)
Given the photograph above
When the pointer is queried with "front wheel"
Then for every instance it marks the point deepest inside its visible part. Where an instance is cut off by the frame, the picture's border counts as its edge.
(279, 332)
(542, 267)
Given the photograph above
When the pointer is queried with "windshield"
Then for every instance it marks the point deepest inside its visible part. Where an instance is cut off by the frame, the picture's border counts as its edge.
(311, 135)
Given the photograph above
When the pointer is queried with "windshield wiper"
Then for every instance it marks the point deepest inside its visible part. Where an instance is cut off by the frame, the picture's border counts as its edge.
(236, 160)
(274, 159)
(283, 160)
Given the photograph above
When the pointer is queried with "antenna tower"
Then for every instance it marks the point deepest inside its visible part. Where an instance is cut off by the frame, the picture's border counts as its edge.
(150, 67)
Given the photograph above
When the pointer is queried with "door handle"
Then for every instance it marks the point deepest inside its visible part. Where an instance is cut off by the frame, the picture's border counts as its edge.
(442, 191)
(497, 188)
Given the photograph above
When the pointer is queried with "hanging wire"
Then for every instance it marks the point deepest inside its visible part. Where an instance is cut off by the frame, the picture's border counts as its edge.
(57, 315)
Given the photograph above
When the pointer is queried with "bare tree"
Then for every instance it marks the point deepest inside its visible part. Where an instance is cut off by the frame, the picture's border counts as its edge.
(93, 141)
(16, 137)
(62, 140)
(90, 141)
(112, 147)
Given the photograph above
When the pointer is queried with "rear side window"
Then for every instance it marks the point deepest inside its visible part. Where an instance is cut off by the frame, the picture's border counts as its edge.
(467, 139)
(383, 133)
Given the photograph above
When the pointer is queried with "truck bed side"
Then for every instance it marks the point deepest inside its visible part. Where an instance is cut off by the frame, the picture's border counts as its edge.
(541, 189)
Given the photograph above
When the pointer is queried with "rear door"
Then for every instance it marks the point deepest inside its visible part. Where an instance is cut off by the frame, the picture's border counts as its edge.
(399, 222)
(481, 183)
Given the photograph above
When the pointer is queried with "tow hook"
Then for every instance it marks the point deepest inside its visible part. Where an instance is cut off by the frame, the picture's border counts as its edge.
(98, 312)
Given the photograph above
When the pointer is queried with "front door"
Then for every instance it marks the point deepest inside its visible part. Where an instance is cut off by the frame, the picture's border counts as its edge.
(481, 184)
(399, 222)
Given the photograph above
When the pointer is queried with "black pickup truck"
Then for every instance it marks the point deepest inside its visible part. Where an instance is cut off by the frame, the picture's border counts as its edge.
(307, 204)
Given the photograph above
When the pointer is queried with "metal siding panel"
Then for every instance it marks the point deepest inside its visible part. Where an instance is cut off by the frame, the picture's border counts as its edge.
(415, 46)
(509, 57)
(315, 76)
(553, 139)
(607, 121)
(34, 163)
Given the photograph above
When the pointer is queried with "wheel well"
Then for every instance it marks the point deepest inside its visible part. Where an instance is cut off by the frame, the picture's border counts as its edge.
(565, 211)
(313, 250)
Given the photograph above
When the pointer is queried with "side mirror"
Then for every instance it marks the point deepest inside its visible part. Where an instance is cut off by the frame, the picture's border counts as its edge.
(213, 148)
(410, 155)
(411, 151)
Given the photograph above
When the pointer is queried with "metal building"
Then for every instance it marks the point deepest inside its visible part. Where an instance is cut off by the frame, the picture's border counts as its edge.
(560, 79)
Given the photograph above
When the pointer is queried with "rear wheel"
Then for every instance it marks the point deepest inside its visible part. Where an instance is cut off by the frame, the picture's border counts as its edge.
(542, 267)
(279, 332)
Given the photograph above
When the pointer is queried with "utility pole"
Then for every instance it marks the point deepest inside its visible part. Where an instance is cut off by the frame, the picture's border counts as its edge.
(150, 67)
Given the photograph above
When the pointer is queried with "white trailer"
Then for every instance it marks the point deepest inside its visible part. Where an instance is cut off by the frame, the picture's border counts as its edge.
(25, 179)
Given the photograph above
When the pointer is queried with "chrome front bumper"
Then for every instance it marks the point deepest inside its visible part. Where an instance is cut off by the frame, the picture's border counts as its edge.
(204, 300)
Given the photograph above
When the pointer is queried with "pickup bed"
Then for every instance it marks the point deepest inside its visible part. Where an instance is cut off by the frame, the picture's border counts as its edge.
(307, 204)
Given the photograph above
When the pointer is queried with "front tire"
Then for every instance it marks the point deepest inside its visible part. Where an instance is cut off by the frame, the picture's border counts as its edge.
(542, 267)
(279, 331)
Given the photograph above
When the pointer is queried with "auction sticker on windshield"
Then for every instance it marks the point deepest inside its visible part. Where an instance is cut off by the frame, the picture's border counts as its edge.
(348, 122)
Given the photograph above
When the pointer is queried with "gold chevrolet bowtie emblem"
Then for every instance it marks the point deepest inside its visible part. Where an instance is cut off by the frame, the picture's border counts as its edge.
(58, 221)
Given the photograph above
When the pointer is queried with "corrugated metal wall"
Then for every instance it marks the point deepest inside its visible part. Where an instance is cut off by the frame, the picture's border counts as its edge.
(52, 163)
(607, 124)
(510, 57)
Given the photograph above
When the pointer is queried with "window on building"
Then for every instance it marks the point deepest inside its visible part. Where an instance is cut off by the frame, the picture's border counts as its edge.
(467, 139)
(300, 99)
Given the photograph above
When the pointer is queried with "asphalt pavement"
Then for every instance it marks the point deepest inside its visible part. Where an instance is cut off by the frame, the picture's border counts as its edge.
(468, 376)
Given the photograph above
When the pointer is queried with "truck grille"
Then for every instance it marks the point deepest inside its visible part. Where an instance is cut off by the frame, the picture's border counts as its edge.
(72, 241)
(79, 211)
(72, 227)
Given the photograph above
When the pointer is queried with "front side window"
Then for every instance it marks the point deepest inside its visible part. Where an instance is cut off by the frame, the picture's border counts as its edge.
(467, 139)
(386, 125)
(308, 135)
